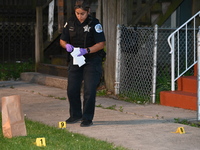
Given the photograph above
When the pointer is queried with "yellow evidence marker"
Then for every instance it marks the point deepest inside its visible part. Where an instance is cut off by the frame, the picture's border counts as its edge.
(62, 124)
(40, 142)
(180, 130)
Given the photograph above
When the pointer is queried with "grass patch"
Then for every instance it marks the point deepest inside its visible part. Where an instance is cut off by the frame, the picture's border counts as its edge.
(113, 107)
(121, 109)
(56, 139)
(186, 122)
(60, 98)
(134, 97)
(102, 92)
(163, 84)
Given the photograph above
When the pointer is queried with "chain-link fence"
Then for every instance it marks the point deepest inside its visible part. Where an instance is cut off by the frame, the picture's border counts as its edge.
(136, 62)
(136, 59)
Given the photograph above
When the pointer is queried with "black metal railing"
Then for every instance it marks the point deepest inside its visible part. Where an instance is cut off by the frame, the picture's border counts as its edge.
(17, 35)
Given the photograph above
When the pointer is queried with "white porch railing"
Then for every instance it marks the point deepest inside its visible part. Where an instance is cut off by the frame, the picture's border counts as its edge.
(181, 47)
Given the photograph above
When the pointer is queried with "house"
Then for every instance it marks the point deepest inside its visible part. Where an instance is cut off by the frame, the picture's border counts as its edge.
(110, 13)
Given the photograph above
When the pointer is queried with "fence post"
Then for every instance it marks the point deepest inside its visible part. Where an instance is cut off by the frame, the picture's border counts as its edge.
(117, 60)
(154, 63)
(172, 65)
(198, 75)
(38, 36)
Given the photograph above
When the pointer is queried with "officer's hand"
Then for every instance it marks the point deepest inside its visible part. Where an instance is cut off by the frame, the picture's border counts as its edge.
(83, 51)
(69, 47)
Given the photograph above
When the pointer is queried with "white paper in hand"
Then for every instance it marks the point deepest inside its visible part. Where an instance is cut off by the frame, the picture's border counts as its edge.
(77, 60)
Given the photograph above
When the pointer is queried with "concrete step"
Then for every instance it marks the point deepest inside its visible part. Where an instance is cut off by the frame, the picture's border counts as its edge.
(187, 84)
(51, 69)
(44, 79)
(179, 99)
(186, 94)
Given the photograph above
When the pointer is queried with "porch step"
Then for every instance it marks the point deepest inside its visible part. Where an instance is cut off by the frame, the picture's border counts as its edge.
(187, 84)
(44, 79)
(51, 69)
(186, 94)
(179, 99)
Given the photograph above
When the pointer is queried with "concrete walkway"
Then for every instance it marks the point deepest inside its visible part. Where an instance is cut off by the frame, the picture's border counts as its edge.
(136, 127)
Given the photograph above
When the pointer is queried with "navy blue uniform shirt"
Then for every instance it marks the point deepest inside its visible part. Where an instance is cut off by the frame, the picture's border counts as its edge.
(84, 34)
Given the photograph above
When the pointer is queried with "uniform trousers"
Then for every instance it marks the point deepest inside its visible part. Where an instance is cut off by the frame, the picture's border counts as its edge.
(89, 74)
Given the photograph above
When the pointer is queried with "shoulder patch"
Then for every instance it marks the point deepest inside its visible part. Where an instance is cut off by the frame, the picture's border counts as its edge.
(65, 25)
(98, 28)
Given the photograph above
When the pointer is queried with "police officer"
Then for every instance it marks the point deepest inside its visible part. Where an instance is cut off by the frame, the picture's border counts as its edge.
(85, 32)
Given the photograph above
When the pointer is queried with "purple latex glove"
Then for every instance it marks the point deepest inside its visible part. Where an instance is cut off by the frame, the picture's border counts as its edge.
(69, 47)
(83, 51)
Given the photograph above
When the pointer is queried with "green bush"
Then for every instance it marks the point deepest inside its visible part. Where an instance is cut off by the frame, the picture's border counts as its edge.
(12, 71)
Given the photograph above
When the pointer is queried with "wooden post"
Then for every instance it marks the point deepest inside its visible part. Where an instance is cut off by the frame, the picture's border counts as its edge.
(70, 8)
(38, 37)
(99, 12)
(60, 15)
(114, 13)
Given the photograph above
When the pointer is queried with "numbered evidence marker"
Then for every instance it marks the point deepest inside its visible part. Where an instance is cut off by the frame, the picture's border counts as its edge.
(40, 142)
(62, 124)
(180, 130)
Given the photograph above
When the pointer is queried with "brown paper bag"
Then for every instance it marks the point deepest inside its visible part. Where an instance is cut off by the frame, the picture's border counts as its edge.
(12, 117)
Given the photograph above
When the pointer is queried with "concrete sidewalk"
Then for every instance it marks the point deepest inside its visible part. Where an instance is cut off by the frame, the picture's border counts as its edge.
(136, 127)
